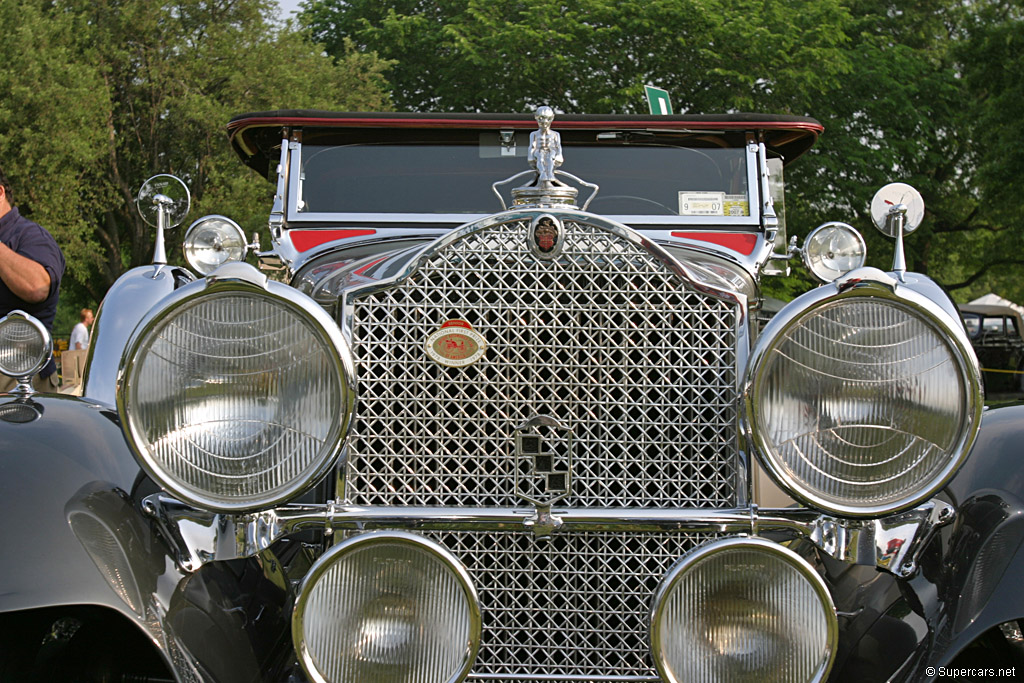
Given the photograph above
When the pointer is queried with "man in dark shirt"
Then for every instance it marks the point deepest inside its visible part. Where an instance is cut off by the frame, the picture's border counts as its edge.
(31, 266)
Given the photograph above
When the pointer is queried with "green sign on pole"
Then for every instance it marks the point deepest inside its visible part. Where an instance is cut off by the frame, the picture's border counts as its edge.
(657, 100)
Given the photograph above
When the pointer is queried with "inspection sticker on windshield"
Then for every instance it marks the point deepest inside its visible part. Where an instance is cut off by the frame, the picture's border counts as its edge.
(701, 203)
(456, 344)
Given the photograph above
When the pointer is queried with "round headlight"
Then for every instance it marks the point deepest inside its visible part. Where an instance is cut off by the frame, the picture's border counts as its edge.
(236, 392)
(833, 249)
(863, 401)
(387, 606)
(213, 241)
(743, 609)
(25, 345)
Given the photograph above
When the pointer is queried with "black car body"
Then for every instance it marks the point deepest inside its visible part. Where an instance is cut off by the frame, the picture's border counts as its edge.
(475, 430)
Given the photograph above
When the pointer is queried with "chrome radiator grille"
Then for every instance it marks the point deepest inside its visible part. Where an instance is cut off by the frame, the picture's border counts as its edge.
(604, 338)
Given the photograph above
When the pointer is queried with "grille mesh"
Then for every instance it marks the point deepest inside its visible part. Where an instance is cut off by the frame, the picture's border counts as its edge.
(576, 605)
(604, 338)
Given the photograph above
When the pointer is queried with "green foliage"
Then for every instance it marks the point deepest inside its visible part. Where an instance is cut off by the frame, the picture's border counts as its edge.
(993, 78)
(592, 56)
(106, 93)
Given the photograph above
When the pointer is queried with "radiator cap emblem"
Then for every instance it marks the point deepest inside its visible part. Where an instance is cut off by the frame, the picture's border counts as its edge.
(456, 344)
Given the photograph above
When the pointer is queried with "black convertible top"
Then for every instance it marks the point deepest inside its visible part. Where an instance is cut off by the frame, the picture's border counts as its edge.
(256, 136)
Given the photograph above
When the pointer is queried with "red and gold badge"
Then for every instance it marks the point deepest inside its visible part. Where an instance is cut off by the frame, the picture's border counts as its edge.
(456, 344)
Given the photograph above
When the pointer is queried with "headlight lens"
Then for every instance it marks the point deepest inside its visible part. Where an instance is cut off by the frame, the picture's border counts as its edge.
(743, 610)
(213, 241)
(387, 607)
(236, 397)
(25, 345)
(862, 405)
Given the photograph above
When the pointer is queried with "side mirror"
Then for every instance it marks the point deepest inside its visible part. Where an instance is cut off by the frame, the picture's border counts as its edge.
(163, 202)
(897, 210)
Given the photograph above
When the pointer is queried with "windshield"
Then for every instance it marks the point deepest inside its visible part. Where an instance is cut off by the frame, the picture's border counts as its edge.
(454, 178)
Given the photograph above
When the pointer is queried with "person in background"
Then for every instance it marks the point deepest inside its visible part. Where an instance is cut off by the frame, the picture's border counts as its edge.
(31, 266)
(80, 332)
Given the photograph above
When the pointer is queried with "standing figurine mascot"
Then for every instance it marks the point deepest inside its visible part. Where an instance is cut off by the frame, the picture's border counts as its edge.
(545, 154)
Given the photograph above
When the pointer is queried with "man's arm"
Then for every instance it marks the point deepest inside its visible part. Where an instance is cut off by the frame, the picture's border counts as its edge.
(27, 279)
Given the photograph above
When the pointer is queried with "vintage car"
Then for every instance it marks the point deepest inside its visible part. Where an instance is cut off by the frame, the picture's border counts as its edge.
(995, 333)
(498, 408)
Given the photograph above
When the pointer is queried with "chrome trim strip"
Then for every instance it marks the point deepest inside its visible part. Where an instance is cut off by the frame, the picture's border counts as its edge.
(296, 219)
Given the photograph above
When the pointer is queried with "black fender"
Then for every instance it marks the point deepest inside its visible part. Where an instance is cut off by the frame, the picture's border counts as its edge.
(79, 551)
(966, 582)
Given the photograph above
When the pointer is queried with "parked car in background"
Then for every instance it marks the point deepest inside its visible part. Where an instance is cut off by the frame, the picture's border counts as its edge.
(995, 333)
(498, 414)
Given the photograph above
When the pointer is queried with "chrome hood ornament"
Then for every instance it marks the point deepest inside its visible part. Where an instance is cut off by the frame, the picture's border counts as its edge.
(545, 156)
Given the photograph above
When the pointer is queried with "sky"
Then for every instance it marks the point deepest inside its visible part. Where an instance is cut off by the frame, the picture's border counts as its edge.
(287, 7)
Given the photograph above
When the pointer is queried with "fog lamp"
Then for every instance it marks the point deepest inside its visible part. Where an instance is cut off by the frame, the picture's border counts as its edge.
(743, 609)
(387, 606)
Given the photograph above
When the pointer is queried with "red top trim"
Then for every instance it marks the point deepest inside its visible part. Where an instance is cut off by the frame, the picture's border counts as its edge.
(304, 240)
(519, 123)
(742, 242)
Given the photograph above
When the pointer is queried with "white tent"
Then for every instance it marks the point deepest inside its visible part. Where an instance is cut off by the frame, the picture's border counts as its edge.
(996, 300)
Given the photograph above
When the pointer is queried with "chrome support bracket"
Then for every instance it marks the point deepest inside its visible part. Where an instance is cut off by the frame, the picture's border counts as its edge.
(891, 543)
(543, 523)
(200, 536)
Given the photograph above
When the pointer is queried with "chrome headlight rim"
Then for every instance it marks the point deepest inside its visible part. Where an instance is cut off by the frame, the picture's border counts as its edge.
(46, 341)
(864, 283)
(358, 542)
(756, 543)
(232, 278)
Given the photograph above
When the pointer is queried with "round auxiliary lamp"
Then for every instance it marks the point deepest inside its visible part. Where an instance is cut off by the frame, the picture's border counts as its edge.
(25, 349)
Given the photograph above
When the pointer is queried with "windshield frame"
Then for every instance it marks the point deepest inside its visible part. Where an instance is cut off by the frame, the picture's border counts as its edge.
(294, 217)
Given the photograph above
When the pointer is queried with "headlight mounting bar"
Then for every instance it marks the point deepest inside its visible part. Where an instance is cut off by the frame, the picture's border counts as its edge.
(891, 543)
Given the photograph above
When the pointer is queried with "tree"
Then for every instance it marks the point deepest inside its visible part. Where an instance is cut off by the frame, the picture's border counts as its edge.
(989, 54)
(52, 113)
(111, 92)
(592, 56)
(896, 115)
